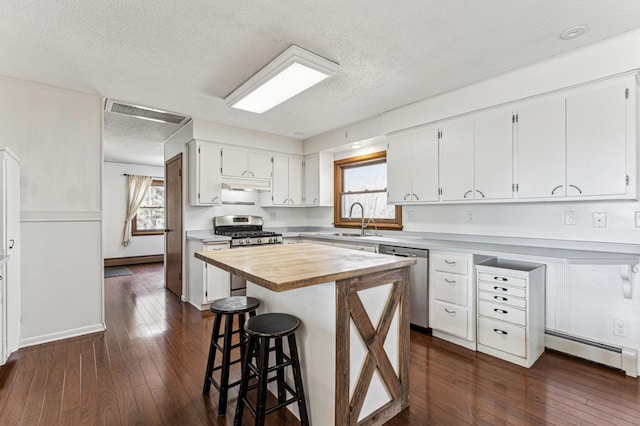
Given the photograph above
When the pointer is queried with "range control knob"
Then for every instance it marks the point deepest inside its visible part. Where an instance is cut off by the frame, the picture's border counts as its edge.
(259, 240)
(247, 241)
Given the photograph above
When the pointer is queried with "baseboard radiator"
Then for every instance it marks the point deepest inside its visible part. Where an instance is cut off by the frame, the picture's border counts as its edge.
(622, 358)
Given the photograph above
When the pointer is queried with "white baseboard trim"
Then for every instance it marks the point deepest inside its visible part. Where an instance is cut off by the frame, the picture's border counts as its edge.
(622, 358)
(67, 334)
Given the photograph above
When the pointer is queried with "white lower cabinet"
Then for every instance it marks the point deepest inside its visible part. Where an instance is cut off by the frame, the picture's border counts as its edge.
(511, 310)
(452, 314)
(206, 282)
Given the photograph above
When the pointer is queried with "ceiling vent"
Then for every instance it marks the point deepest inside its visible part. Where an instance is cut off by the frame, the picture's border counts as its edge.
(144, 113)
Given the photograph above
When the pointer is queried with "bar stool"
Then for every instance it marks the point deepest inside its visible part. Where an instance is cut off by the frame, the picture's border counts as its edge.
(227, 308)
(261, 329)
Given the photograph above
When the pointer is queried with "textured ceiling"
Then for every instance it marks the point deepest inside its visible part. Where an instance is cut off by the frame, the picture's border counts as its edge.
(187, 56)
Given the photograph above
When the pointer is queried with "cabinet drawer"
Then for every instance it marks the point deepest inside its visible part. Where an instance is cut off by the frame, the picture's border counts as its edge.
(450, 288)
(215, 247)
(502, 336)
(503, 290)
(450, 263)
(502, 279)
(450, 319)
(502, 312)
(503, 299)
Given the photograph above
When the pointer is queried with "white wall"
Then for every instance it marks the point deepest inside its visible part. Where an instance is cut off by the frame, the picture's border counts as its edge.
(58, 136)
(115, 209)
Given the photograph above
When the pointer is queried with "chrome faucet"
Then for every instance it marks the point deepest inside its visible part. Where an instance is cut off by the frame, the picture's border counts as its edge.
(361, 216)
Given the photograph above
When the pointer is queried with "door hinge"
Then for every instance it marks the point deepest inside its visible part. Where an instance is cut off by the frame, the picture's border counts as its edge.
(180, 172)
(626, 180)
(513, 118)
(439, 134)
(180, 276)
(206, 293)
(439, 191)
(515, 187)
(272, 159)
(198, 195)
(626, 93)
(198, 150)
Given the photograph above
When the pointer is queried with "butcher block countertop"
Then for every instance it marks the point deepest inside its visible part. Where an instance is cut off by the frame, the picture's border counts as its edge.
(289, 266)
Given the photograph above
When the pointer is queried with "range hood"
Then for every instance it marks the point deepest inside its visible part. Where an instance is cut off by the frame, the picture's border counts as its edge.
(246, 184)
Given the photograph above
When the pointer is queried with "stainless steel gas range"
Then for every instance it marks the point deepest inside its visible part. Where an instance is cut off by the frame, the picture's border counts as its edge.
(244, 230)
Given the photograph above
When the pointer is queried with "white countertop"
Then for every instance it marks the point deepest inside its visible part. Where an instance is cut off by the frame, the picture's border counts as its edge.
(536, 250)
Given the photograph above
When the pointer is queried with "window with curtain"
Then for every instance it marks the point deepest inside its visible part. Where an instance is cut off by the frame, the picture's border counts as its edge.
(149, 220)
(363, 179)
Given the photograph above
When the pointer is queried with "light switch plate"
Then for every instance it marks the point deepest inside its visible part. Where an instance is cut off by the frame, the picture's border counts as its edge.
(599, 220)
(471, 216)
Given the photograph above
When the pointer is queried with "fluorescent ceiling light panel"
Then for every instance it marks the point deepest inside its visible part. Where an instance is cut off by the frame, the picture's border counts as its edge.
(293, 72)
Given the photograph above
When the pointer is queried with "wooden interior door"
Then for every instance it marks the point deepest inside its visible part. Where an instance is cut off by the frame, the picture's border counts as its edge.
(173, 230)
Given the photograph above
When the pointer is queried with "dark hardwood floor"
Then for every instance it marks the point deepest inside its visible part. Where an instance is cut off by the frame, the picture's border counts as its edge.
(148, 368)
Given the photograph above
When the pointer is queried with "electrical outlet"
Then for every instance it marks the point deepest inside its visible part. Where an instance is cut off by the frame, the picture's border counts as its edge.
(411, 214)
(569, 218)
(621, 328)
(637, 220)
(471, 216)
(600, 220)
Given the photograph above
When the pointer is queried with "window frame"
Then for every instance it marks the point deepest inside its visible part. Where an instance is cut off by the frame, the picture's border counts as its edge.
(140, 232)
(360, 160)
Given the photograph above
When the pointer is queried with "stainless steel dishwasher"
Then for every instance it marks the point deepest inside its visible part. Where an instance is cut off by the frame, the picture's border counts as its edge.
(419, 283)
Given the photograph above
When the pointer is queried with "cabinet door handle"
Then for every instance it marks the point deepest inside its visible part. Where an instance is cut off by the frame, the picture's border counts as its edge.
(500, 288)
(554, 189)
(414, 195)
(450, 282)
(497, 330)
(502, 299)
(12, 243)
(500, 311)
(245, 172)
(252, 175)
(467, 193)
(480, 192)
(450, 312)
(214, 199)
(405, 196)
(315, 200)
(450, 262)
(573, 186)
(503, 279)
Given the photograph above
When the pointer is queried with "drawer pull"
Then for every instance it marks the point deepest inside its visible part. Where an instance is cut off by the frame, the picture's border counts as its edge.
(503, 279)
(450, 312)
(497, 330)
(503, 299)
(500, 311)
(450, 282)
(500, 288)
(450, 262)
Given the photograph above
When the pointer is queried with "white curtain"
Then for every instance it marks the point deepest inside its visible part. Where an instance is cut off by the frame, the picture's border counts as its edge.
(138, 187)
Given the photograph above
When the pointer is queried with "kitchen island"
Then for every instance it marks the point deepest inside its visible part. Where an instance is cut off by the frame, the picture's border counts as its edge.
(354, 334)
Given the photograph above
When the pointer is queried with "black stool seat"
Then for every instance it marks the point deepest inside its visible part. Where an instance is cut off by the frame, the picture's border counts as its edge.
(271, 325)
(261, 330)
(227, 308)
(234, 305)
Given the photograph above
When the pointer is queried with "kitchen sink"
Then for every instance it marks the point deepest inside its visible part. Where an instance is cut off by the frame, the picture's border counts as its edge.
(345, 234)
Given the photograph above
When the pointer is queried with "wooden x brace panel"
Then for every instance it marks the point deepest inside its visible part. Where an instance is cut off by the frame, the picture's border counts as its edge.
(349, 307)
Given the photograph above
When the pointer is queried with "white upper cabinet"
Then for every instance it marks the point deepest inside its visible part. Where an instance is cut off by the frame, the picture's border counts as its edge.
(318, 180)
(204, 174)
(247, 164)
(493, 156)
(287, 181)
(456, 161)
(540, 154)
(412, 166)
(596, 142)
(579, 145)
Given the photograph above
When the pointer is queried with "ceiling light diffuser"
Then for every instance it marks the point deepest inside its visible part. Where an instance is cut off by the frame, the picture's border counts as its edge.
(293, 72)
